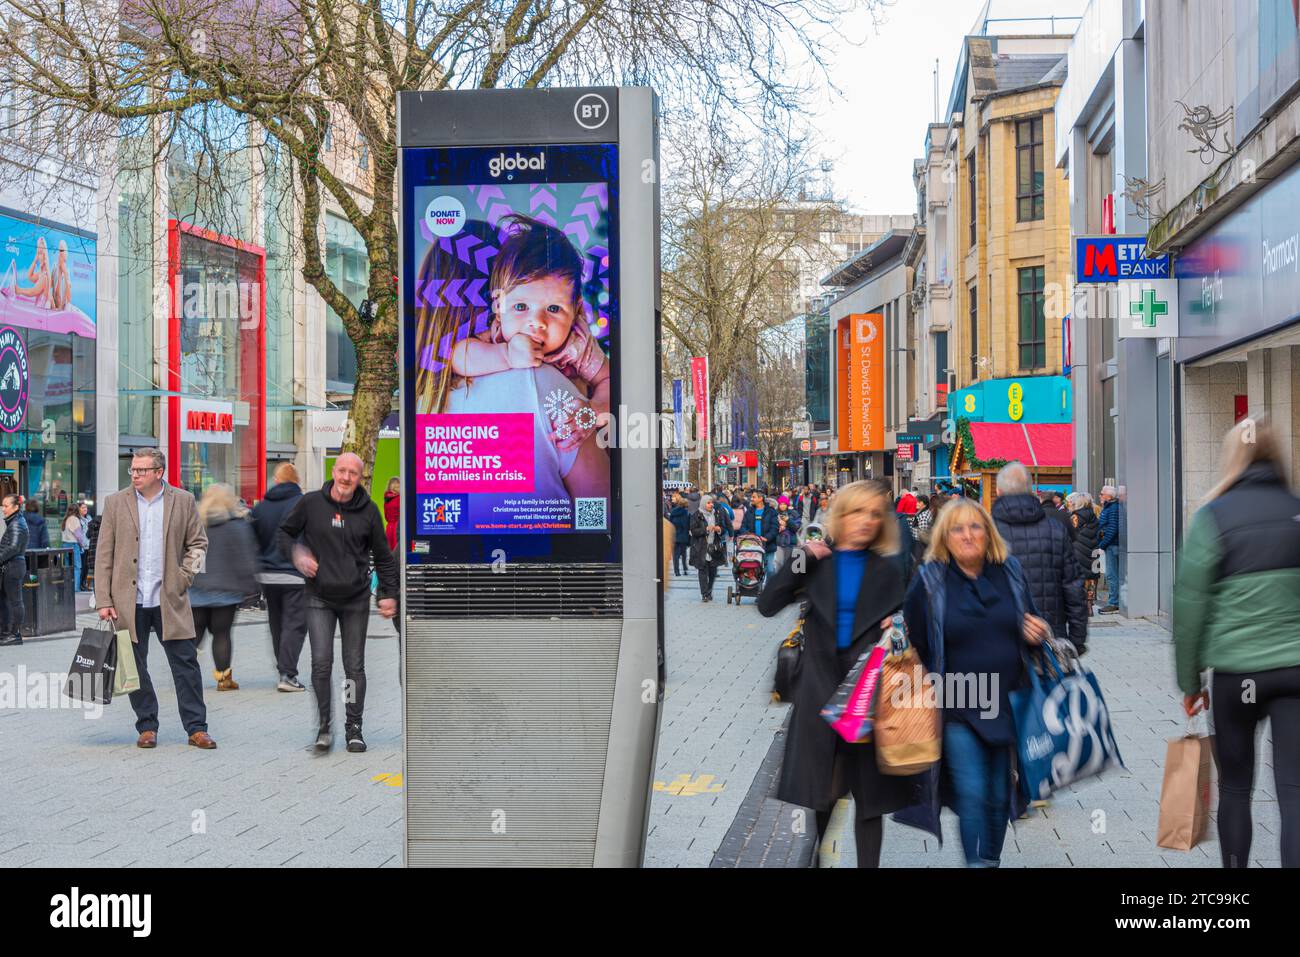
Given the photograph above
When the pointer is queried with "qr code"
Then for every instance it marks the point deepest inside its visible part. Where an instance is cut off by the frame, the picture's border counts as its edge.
(589, 515)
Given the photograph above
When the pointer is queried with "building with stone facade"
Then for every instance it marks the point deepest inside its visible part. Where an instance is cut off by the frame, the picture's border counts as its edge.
(1008, 222)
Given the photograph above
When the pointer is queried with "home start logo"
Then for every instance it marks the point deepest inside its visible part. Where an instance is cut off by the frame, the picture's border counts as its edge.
(501, 163)
(13, 380)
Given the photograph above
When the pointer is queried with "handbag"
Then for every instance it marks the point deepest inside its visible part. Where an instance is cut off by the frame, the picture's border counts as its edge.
(91, 674)
(1185, 793)
(789, 656)
(126, 678)
(849, 710)
(908, 727)
(1063, 731)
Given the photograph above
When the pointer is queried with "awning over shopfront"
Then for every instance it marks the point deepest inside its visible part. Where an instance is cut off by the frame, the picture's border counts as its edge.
(1035, 444)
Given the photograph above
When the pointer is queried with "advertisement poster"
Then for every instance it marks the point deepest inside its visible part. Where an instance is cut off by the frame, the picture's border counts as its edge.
(510, 370)
(47, 278)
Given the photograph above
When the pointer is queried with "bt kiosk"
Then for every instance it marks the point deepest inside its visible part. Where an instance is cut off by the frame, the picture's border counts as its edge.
(531, 543)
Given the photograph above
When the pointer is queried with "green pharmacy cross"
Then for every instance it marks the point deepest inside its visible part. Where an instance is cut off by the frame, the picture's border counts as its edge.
(1148, 308)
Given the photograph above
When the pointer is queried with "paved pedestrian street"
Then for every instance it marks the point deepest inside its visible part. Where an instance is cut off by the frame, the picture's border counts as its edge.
(719, 724)
(76, 791)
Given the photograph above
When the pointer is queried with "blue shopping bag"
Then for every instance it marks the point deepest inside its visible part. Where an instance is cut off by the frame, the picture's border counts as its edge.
(1063, 731)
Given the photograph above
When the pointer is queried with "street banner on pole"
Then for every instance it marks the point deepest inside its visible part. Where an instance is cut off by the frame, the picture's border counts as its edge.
(700, 388)
(678, 425)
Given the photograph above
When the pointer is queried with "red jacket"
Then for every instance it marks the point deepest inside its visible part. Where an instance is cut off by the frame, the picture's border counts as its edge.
(392, 514)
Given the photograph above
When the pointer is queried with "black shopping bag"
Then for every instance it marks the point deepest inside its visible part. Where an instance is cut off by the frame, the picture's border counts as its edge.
(90, 676)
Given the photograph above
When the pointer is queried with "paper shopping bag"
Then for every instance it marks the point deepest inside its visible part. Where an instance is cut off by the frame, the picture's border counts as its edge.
(90, 676)
(908, 728)
(127, 677)
(850, 709)
(1185, 794)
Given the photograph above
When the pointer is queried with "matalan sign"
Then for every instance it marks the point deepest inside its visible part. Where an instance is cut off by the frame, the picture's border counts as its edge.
(203, 420)
(328, 427)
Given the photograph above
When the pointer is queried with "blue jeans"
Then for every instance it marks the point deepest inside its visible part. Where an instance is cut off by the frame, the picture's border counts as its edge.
(769, 563)
(76, 566)
(1114, 575)
(980, 776)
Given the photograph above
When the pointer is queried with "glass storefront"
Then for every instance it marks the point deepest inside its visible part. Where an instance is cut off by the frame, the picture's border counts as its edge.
(278, 229)
(218, 355)
(817, 382)
(348, 266)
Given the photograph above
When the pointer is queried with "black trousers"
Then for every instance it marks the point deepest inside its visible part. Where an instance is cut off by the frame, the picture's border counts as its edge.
(12, 576)
(708, 574)
(679, 557)
(218, 619)
(351, 619)
(1274, 694)
(287, 614)
(183, 658)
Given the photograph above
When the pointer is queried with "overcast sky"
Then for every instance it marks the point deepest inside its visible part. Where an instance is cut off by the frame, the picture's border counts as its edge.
(874, 127)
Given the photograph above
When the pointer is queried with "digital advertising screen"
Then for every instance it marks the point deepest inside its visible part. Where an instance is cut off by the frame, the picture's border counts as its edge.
(47, 277)
(510, 280)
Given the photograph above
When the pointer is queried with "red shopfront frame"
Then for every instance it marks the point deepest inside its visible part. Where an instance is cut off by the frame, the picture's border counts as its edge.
(252, 355)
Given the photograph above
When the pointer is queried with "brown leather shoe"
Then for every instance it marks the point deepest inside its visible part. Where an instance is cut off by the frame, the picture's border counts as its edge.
(147, 739)
(201, 739)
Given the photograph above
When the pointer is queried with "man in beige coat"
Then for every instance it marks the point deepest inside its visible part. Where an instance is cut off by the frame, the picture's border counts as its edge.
(151, 545)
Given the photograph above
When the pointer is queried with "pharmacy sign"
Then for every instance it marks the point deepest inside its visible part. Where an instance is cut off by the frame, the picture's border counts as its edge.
(1148, 309)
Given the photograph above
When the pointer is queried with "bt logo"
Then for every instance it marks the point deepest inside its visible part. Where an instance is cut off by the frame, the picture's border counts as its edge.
(591, 111)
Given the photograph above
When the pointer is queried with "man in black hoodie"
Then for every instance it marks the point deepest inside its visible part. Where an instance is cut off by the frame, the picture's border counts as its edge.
(282, 584)
(1045, 549)
(338, 525)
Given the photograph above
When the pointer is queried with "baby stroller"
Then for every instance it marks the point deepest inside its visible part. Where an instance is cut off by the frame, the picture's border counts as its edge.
(747, 567)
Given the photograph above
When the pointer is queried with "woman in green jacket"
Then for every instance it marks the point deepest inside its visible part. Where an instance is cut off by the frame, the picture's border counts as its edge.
(1237, 611)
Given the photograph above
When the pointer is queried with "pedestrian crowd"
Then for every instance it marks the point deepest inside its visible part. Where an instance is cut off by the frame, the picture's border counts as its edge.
(171, 566)
(993, 598)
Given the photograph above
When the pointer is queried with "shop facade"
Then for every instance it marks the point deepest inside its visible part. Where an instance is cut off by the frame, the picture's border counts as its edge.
(1026, 419)
(874, 369)
(216, 404)
(47, 361)
(1238, 349)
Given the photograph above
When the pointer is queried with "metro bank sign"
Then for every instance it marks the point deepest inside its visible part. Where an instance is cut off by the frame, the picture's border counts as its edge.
(1117, 258)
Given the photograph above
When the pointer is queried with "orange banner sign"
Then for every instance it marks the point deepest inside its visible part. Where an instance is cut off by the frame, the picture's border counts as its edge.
(866, 373)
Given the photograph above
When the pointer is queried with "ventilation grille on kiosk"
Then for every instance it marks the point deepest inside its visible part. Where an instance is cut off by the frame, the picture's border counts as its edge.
(520, 591)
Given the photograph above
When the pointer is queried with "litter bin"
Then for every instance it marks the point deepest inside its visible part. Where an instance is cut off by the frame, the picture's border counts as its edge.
(49, 593)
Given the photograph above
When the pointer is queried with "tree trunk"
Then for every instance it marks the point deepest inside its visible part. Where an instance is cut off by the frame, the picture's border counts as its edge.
(372, 400)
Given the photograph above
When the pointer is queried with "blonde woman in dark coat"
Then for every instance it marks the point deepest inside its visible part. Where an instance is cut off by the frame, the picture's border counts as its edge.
(851, 585)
